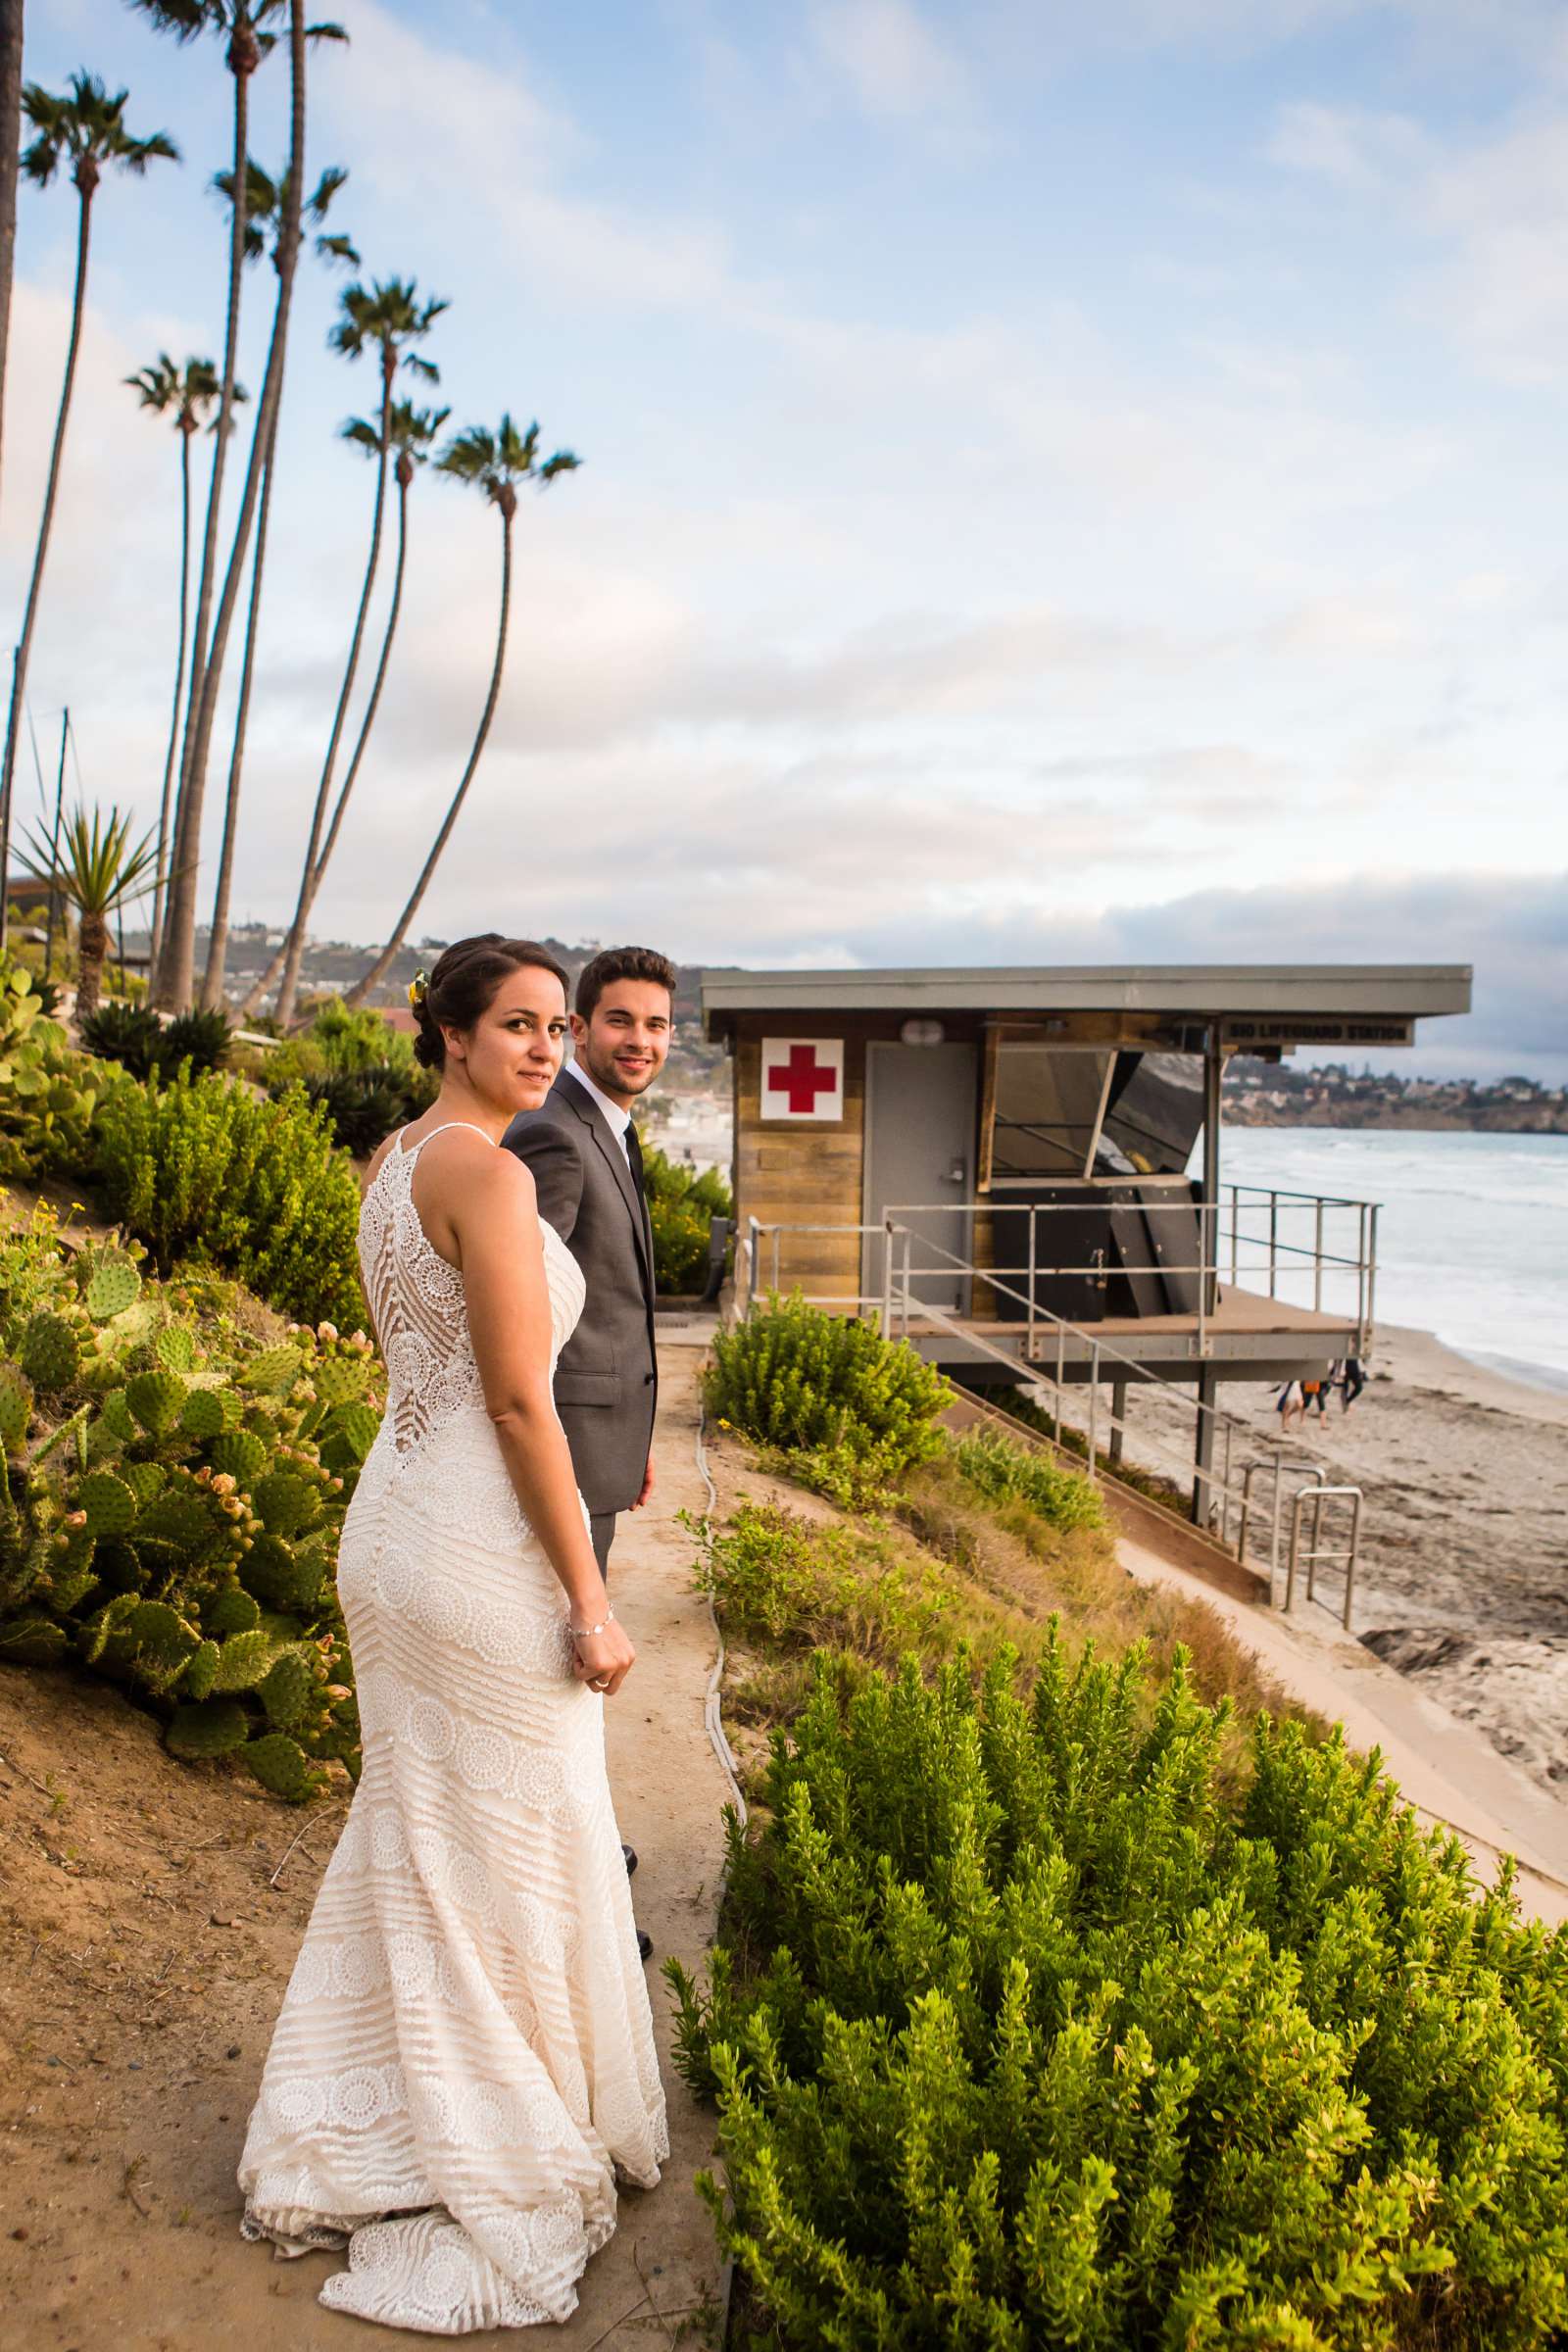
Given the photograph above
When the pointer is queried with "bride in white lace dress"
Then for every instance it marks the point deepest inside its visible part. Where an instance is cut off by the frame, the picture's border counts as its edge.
(465, 2058)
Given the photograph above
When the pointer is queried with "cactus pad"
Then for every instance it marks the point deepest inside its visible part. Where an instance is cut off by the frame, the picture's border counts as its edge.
(49, 1355)
(145, 1479)
(161, 1631)
(118, 1418)
(279, 1764)
(243, 1661)
(94, 1634)
(280, 1577)
(213, 1728)
(112, 1289)
(118, 1566)
(155, 1398)
(272, 1372)
(231, 1611)
(349, 1436)
(289, 1689)
(35, 1642)
(179, 1517)
(285, 1504)
(200, 1667)
(109, 1502)
(340, 1379)
(16, 1407)
(202, 1414)
(175, 1348)
(241, 1454)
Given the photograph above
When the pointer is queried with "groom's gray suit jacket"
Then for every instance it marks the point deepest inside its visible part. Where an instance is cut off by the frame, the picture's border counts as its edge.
(606, 1380)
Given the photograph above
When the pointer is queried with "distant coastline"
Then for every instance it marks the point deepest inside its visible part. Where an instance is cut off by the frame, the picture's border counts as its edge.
(1260, 1093)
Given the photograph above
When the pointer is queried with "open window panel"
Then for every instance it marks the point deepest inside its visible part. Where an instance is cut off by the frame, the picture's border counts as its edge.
(1098, 1136)
(1064, 1111)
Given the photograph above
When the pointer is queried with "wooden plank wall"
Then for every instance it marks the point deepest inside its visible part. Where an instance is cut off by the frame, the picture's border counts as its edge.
(796, 1171)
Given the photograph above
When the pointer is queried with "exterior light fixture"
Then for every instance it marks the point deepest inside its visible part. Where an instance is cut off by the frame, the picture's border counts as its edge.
(922, 1033)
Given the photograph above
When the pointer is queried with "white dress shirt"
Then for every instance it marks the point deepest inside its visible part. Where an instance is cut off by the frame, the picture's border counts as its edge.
(618, 1120)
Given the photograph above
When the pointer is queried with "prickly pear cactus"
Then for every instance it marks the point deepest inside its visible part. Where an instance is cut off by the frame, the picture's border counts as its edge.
(272, 1372)
(214, 1728)
(244, 1661)
(33, 1642)
(340, 1379)
(231, 1611)
(202, 1416)
(49, 1355)
(109, 1502)
(286, 1503)
(16, 1407)
(349, 1436)
(112, 1288)
(289, 1689)
(155, 1398)
(241, 1454)
(283, 1577)
(175, 1348)
(280, 1764)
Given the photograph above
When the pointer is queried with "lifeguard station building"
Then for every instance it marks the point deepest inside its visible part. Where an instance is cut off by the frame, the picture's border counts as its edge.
(1020, 1169)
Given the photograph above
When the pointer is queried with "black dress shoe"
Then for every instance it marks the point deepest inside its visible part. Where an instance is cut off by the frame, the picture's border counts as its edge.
(644, 1945)
(628, 1854)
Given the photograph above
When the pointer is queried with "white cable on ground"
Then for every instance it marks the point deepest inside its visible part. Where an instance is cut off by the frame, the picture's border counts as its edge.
(711, 1716)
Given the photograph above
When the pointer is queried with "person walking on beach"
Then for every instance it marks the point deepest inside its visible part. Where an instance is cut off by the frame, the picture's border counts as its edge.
(1352, 1382)
(464, 2061)
(1288, 1404)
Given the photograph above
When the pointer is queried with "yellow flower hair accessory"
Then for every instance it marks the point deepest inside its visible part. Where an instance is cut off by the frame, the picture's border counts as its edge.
(418, 989)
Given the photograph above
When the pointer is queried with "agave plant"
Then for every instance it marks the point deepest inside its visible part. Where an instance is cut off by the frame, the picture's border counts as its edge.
(99, 870)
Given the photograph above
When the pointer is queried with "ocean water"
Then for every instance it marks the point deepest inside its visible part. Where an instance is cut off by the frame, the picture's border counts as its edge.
(1472, 1231)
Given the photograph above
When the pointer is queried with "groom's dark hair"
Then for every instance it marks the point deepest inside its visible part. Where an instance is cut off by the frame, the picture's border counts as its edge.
(621, 963)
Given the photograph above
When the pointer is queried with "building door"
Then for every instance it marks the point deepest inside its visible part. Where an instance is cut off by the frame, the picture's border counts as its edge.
(920, 1108)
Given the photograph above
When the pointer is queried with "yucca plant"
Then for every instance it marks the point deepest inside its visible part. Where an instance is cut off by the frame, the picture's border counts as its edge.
(99, 870)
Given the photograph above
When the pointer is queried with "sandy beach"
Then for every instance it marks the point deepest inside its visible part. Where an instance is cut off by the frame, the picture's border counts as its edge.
(1463, 1579)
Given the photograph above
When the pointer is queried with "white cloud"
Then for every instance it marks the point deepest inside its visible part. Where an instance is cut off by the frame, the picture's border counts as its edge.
(889, 57)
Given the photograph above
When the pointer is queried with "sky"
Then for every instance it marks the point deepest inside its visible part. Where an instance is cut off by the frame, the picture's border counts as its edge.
(1059, 485)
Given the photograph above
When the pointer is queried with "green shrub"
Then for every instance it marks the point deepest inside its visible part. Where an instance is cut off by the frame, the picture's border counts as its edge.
(1022, 2034)
(202, 1037)
(170, 1513)
(360, 1040)
(1007, 1473)
(853, 1409)
(681, 1207)
(200, 1168)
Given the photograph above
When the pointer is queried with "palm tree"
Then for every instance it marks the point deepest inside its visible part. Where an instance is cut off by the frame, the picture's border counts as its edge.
(494, 463)
(387, 317)
(248, 32)
(411, 431)
(173, 986)
(266, 205)
(190, 393)
(99, 870)
(86, 127)
(11, 18)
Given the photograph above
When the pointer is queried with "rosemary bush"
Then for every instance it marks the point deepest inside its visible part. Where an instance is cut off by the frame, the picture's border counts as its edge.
(853, 1409)
(1023, 2033)
(681, 1207)
(202, 1168)
(1004, 1472)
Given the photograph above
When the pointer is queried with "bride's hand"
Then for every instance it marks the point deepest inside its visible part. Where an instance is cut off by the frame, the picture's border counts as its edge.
(603, 1660)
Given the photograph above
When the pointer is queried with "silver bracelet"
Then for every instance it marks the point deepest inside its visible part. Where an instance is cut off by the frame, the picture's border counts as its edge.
(586, 1633)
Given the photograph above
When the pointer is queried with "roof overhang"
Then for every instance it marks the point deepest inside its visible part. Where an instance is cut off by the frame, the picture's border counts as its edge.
(1277, 995)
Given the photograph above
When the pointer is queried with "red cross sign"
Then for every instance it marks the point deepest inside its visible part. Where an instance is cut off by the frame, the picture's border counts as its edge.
(802, 1078)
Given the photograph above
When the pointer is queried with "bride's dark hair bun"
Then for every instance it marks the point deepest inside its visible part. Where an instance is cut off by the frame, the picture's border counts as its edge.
(461, 987)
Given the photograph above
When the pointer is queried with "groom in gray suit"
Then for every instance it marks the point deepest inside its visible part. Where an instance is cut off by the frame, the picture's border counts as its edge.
(587, 1170)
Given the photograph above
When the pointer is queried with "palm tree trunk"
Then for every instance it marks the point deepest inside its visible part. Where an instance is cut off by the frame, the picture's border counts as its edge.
(217, 945)
(173, 950)
(178, 977)
(19, 671)
(11, 15)
(361, 988)
(261, 989)
(294, 946)
(92, 948)
(162, 869)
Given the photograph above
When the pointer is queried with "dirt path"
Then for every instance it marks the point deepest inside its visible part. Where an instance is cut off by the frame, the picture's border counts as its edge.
(143, 1954)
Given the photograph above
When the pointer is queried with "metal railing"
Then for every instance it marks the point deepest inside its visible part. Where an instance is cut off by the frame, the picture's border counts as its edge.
(1313, 1498)
(1207, 1466)
(1257, 1242)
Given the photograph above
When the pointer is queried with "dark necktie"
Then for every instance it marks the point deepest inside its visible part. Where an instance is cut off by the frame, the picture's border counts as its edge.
(634, 1154)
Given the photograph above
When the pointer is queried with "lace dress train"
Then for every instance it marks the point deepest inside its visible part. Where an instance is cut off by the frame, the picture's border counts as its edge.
(465, 2058)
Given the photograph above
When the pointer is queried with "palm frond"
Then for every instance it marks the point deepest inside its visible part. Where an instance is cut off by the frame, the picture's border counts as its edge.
(99, 868)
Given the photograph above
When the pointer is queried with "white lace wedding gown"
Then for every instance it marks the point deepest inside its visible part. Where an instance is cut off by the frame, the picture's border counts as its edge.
(464, 2057)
